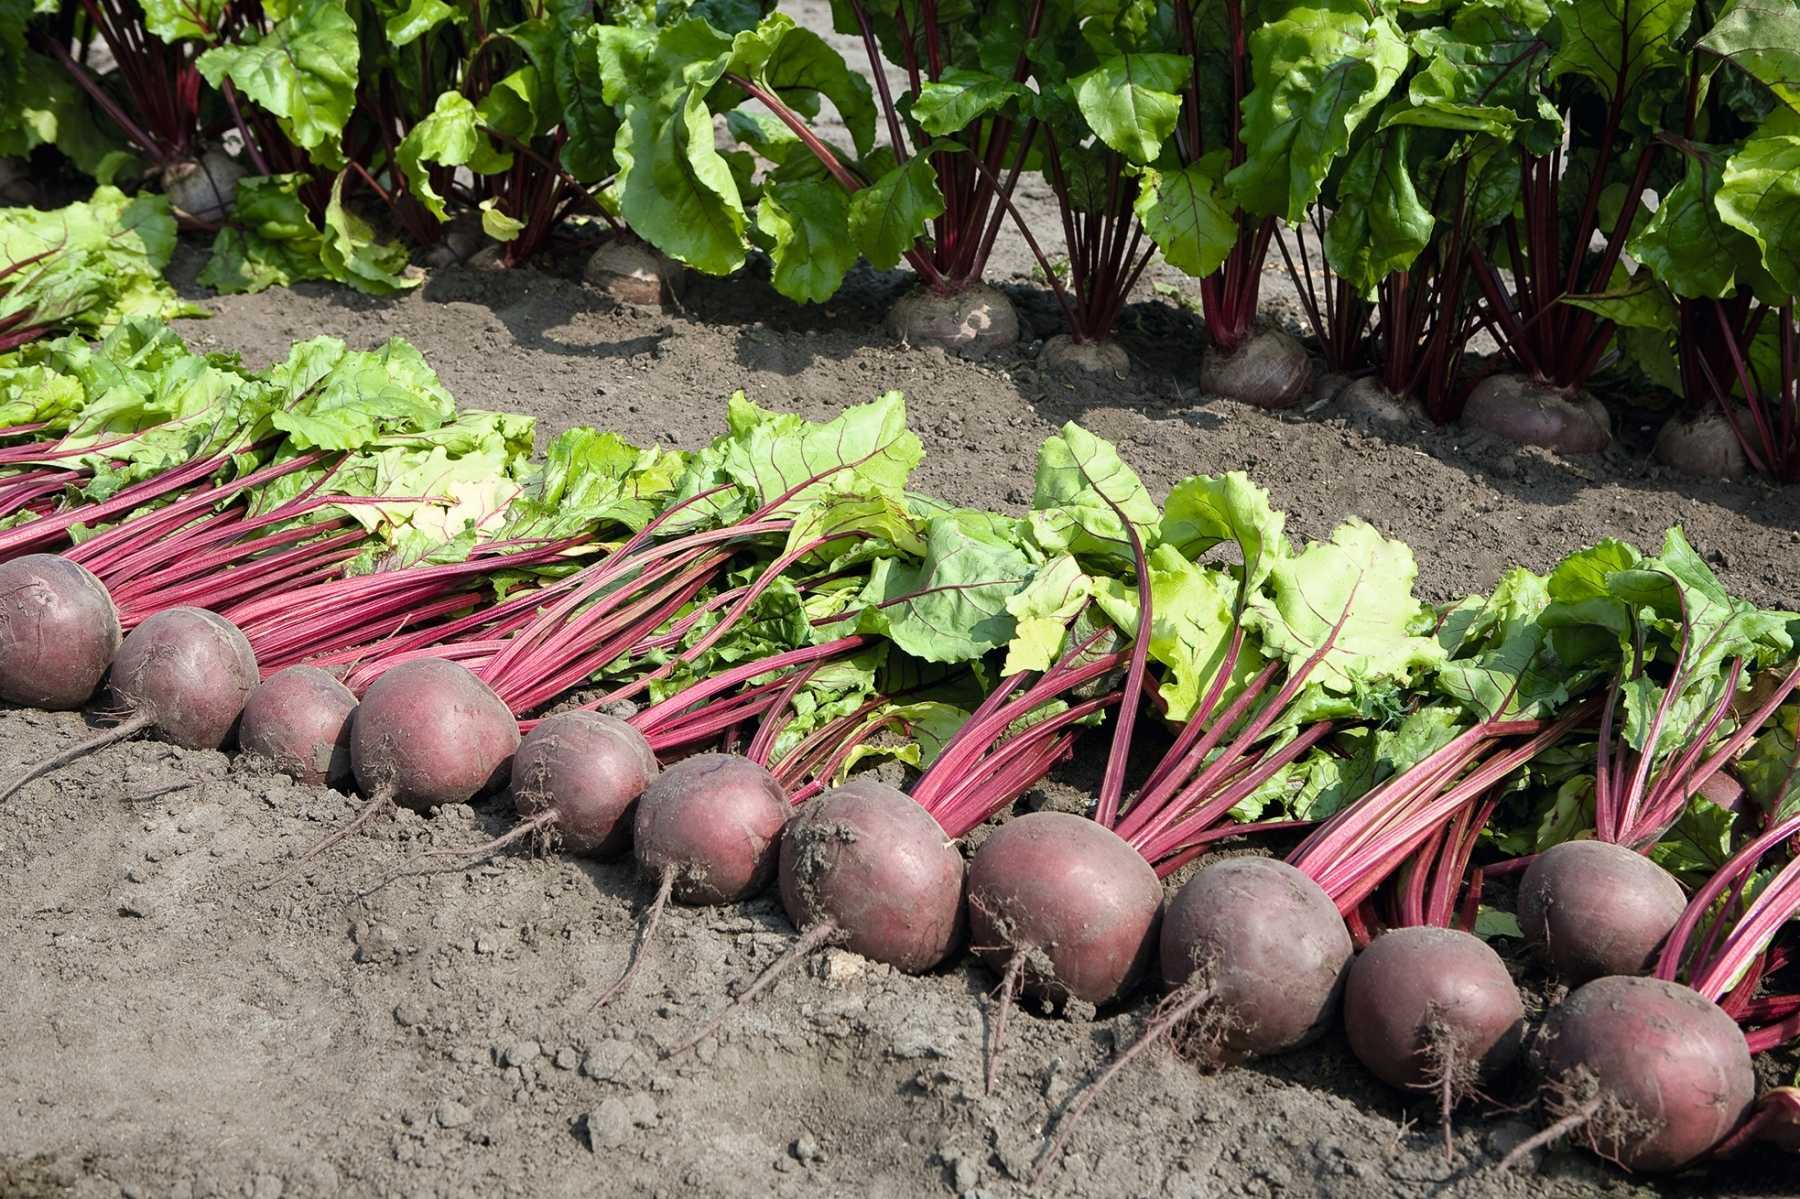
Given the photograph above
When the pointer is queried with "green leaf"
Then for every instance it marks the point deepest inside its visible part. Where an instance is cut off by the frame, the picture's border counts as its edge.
(1699, 843)
(450, 136)
(342, 399)
(1360, 584)
(350, 253)
(589, 122)
(1079, 480)
(890, 215)
(1132, 101)
(1318, 72)
(1187, 218)
(1762, 38)
(269, 241)
(419, 17)
(1493, 924)
(304, 71)
(498, 225)
(952, 605)
(807, 224)
(99, 262)
(1503, 665)
(961, 97)
(1617, 43)
(1483, 73)
(177, 20)
(1760, 195)
(1041, 613)
(1770, 768)
(800, 67)
(1207, 510)
(1380, 224)
(1687, 243)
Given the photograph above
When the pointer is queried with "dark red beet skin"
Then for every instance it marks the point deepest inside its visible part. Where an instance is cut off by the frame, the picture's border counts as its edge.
(190, 671)
(869, 859)
(1593, 909)
(428, 732)
(1269, 942)
(1416, 990)
(716, 820)
(1670, 1067)
(299, 719)
(1080, 902)
(590, 769)
(58, 632)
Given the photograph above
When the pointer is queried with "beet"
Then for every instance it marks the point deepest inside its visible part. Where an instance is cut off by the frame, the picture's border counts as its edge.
(1368, 399)
(976, 320)
(183, 674)
(299, 719)
(583, 772)
(1066, 905)
(629, 272)
(872, 863)
(428, 733)
(1704, 447)
(58, 632)
(1104, 359)
(203, 188)
(1433, 1007)
(1593, 908)
(1269, 945)
(1529, 413)
(713, 821)
(1648, 1073)
(1271, 370)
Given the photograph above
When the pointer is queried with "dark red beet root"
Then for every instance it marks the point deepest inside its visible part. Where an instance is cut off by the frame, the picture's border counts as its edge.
(1429, 1007)
(189, 671)
(715, 821)
(1646, 1072)
(1271, 370)
(1517, 409)
(1704, 447)
(872, 862)
(1593, 908)
(1080, 904)
(583, 771)
(429, 733)
(58, 632)
(299, 719)
(1268, 942)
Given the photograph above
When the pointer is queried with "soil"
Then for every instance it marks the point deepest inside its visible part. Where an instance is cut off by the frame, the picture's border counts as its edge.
(188, 1015)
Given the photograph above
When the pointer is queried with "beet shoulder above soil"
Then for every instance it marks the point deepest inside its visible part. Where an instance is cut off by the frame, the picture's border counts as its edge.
(359, 1029)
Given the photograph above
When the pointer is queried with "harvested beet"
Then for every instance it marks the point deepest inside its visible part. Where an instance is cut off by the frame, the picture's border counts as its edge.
(1268, 945)
(1271, 370)
(183, 674)
(1529, 413)
(976, 320)
(1433, 1008)
(708, 830)
(1593, 908)
(299, 719)
(582, 773)
(1065, 905)
(865, 867)
(428, 733)
(1646, 1072)
(58, 632)
(869, 861)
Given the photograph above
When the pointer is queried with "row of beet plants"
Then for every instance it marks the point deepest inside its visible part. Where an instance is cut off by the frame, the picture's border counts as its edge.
(1606, 189)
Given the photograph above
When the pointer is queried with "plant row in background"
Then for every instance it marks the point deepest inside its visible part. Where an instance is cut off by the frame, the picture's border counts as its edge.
(1600, 186)
(721, 661)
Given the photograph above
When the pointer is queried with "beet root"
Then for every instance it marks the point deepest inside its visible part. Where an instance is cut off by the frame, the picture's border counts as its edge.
(1433, 1007)
(1514, 407)
(713, 821)
(428, 733)
(1704, 447)
(299, 720)
(190, 672)
(1269, 945)
(974, 320)
(1367, 399)
(868, 860)
(1105, 359)
(1648, 1073)
(203, 188)
(1065, 902)
(1593, 908)
(582, 772)
(630, 272)
(1271, 370)
(58, 632)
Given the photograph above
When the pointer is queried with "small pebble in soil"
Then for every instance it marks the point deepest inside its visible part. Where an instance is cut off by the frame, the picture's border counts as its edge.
(806, 1149)
(452, 1114)
(610, 1125)
(566, 1058)
(409, 1012)
(521, 1053)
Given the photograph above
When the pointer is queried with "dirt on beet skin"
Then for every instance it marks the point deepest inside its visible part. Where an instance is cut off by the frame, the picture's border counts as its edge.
(362, 1027)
